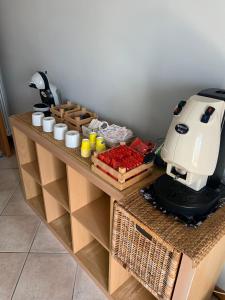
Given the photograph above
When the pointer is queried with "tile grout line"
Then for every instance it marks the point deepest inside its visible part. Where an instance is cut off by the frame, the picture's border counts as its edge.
(10, 197)
(25, 260)
(75, 279)
(11, 252)
(18, 215)
(9, 168)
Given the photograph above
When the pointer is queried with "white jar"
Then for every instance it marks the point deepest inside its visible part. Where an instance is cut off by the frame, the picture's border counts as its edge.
(37, 118)
(72, 139)
(48, 124)
(59, 131)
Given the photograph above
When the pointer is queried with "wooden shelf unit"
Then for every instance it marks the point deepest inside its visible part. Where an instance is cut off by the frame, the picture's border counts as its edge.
(77, 206)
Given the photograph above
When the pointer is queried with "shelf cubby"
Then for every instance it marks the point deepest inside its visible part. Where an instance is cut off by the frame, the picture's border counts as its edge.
(37, 203)
(31, 187)
(54, 182)
(58, 190)
(62, 228)
(33, 194)
(32, 169)
(51, 168)
(53, 208)
(132, 290)
(27, 154)
(95, 217)
(95, 259)
(81, 190)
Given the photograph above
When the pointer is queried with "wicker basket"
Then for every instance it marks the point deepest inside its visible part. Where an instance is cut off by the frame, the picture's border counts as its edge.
(151, 261)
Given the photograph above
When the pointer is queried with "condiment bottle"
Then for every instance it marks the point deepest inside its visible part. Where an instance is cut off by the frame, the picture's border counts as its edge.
(85, 148)
(100, 144)
(92, 139)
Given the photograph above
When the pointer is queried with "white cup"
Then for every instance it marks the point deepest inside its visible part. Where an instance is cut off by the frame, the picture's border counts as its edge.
(48, 124)
(72, 139)
(37, 118)
(59, 131)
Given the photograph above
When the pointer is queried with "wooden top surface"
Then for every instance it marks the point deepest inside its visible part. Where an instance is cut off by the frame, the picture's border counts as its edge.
(72, 157)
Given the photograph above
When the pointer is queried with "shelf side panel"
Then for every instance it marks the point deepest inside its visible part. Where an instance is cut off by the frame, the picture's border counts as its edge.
(81, 191)
(52, 208)
(80, 236)
(37, 203)
(62, 228)
(117, 275)
(51, 168)
(25, 147)
(31, 188)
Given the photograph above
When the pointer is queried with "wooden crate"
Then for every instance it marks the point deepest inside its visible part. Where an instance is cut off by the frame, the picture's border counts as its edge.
(122, 178)
(59, 111)
(73, 120)
(74, 127)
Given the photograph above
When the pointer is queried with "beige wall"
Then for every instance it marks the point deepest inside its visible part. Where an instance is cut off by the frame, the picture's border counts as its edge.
(131, 60)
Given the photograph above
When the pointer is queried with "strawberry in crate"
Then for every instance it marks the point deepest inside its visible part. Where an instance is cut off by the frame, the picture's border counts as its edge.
(122, 156)
(147, 149)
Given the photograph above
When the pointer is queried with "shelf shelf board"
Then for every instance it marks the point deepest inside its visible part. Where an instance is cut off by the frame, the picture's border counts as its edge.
(95, 217)
(132, 290)
(32, 169)
(37, 203)
(58, 190)
(62, 228)
(95, 259)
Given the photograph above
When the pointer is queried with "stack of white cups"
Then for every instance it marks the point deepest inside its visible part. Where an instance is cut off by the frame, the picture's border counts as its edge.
(60, 130)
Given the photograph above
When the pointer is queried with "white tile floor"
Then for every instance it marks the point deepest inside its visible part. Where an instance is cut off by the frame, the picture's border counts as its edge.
(33, 264)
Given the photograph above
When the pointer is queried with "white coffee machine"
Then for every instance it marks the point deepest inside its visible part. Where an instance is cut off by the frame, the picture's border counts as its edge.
(192, 144)
(191, 151)
(49, 94)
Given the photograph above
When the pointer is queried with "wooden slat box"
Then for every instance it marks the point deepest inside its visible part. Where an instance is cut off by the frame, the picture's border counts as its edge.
(120, 179)
(59, 111)
(74, 121)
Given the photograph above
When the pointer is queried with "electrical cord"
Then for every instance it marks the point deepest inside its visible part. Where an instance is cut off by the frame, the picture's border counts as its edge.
(220, 294)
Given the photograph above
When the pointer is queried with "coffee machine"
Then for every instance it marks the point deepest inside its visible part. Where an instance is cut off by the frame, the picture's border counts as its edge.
(48, 92)
(194, 150)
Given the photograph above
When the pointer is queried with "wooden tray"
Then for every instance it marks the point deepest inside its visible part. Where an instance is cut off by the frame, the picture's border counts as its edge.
(59, 111)
(73, 118)
(122, 178)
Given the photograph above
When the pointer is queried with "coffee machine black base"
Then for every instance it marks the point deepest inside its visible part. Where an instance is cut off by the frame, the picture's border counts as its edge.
(173, 197)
